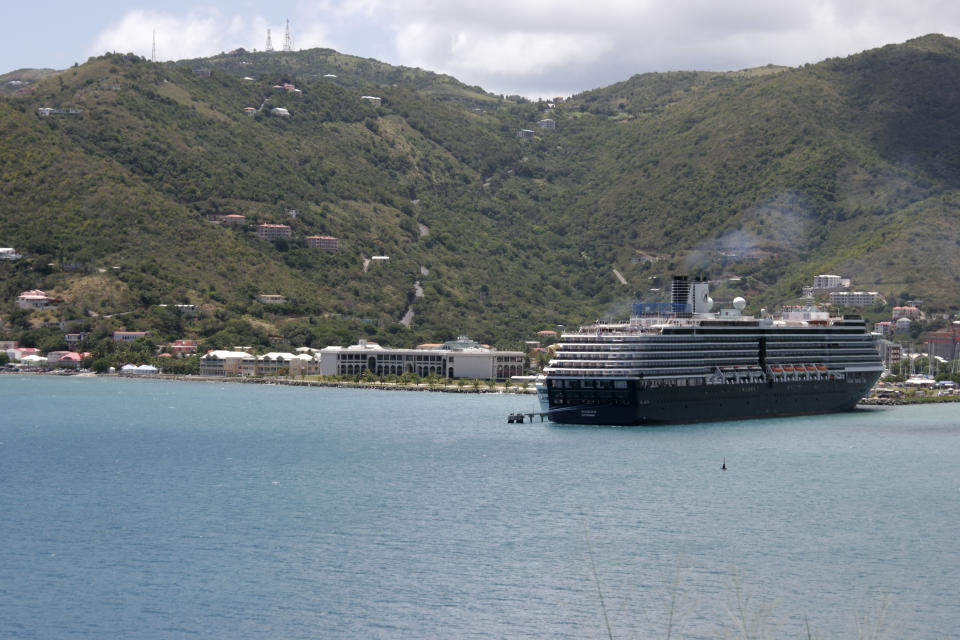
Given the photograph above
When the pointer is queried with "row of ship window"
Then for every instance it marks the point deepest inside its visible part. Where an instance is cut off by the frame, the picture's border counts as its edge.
(780, 359)
(770, 353)
(748, 346)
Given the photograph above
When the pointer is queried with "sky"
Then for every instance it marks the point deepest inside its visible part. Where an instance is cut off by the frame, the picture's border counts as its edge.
(534, 48)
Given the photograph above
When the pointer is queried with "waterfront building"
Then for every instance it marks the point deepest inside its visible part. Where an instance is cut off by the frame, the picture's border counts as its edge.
(280, 364)
(461, 358)
(222, 363)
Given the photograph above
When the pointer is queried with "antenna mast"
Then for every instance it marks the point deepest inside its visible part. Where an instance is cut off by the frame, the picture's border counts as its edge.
(153, 52)
(287, 40)
(269, 41)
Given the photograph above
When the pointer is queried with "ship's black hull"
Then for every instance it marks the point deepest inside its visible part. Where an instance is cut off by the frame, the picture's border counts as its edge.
(707, 403)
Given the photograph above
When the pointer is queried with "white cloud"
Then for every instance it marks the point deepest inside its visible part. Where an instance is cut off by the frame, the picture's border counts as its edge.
(198, 33)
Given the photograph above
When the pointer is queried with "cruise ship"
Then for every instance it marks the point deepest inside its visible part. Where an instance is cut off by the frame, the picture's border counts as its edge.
(680, 362)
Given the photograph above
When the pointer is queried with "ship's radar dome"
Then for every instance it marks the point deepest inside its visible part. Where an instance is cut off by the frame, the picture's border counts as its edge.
(708, 303)
(739, 303)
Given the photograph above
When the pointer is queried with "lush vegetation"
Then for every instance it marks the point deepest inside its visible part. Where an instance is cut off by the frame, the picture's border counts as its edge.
(771, 176)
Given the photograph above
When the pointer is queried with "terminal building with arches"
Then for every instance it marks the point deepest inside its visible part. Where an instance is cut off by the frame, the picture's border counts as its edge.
(460, 358)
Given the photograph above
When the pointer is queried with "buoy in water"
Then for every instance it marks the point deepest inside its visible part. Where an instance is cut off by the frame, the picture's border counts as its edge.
(723, 467)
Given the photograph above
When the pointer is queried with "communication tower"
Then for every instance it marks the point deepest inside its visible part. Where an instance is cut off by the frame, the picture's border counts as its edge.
(287, 40)
(153, 51)
(269, 42)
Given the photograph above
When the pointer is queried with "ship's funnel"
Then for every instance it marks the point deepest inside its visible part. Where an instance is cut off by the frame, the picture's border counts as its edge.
(690, 297)
(680, 296)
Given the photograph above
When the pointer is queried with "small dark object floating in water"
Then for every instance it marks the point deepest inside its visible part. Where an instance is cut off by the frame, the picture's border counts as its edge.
(723, 467)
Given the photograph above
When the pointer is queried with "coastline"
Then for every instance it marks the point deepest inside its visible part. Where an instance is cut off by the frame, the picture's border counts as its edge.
(906, 400)
(294, 382)
(422, 387)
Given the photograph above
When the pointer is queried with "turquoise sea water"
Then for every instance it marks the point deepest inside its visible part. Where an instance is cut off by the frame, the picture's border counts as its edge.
(144, 509)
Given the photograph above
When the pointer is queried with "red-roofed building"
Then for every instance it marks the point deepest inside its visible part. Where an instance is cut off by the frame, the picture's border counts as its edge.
(327, 243)
(184, 347)
(36, 299)
(273, 231)
(17, 353)
(906, 312)
(70, 359)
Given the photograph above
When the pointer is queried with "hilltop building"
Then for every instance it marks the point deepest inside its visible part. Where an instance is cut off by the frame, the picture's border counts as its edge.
(49, 111)
(273, 231)
(74, 339)
(906, 312)
(884, 328)
(183, 347)
(326, 243)
(828, 282)
(854, 298)
(129, 336)
(37, 299)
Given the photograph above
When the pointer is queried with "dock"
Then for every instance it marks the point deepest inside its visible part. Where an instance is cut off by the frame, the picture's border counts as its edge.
(519, 417)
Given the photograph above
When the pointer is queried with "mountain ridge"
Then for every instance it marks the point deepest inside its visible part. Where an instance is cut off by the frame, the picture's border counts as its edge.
(769, 176)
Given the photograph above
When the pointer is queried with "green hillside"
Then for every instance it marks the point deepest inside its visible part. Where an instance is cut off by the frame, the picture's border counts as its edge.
(769, 175)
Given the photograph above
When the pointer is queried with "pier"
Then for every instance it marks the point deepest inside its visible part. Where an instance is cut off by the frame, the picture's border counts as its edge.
(519, 417)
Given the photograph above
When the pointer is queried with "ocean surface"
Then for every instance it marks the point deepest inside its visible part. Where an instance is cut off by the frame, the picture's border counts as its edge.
(149, 509)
